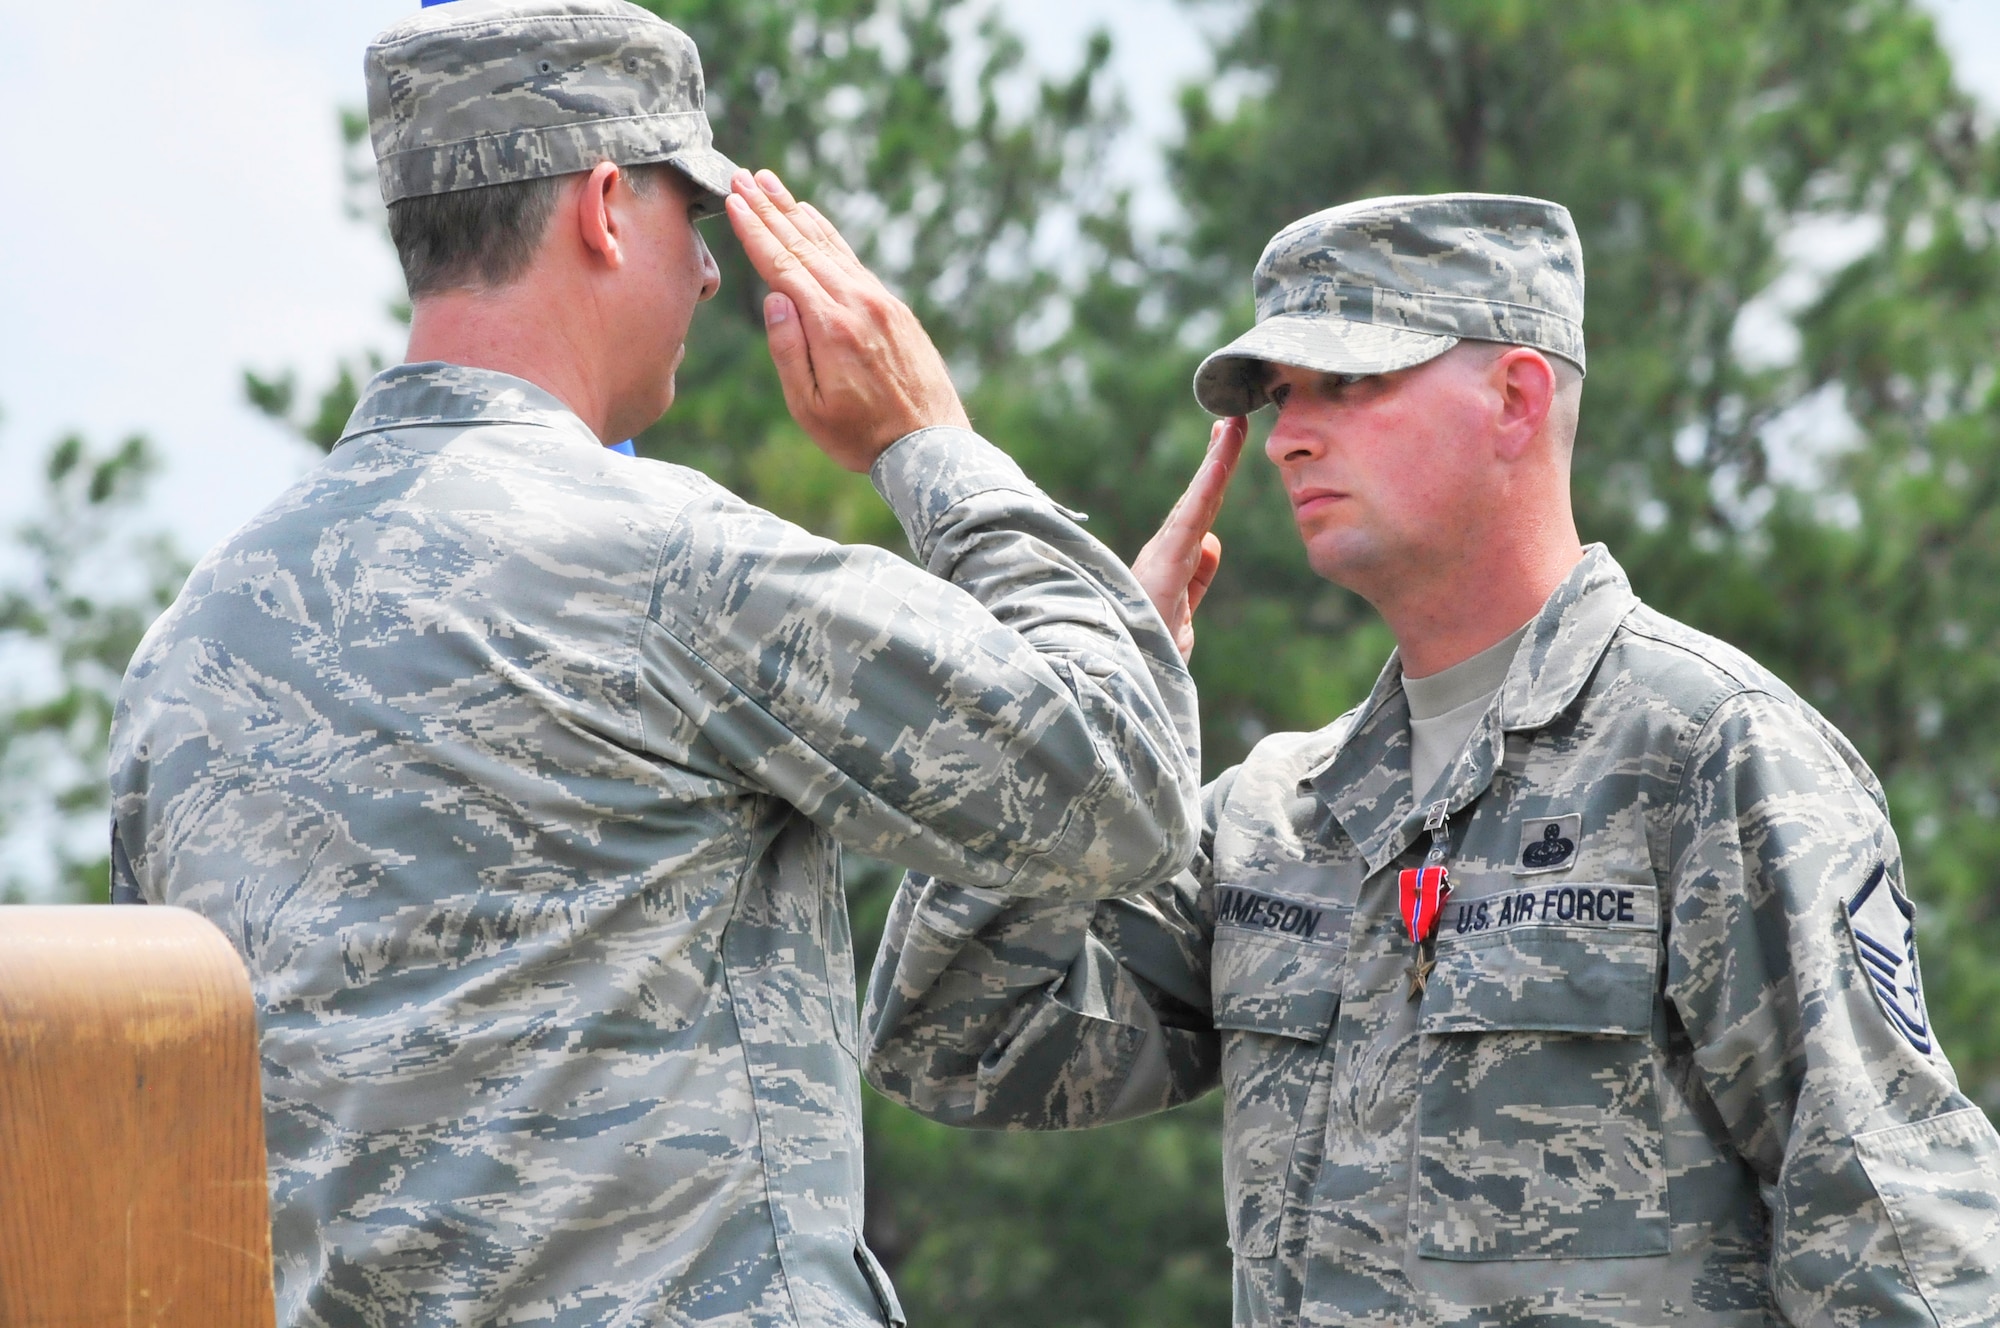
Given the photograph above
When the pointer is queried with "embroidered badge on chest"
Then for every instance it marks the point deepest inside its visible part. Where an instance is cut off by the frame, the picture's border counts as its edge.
(1883, 923)
(1549, 843)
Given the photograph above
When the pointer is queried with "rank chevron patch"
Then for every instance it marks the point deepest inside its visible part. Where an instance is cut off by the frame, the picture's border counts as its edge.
(1883, 923)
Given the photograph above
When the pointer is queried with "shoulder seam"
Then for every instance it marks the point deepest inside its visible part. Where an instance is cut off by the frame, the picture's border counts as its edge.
(1698, 724)
(1718, 666)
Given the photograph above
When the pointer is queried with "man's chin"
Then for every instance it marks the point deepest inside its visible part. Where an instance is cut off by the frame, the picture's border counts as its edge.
(672, 385)
(640, 420)
(1347, 559)
(664, 401)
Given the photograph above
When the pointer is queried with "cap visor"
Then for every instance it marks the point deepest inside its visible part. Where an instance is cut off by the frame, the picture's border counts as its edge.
(710, 170)
(1231, 381)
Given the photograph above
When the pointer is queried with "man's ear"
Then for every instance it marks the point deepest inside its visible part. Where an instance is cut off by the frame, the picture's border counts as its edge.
(597, 221)
(1526, 383)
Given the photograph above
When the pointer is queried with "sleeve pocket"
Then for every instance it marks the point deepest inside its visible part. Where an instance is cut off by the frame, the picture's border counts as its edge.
(1940, 1181)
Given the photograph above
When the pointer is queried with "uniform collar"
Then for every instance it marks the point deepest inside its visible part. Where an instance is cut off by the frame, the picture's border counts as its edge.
(1365, 781)
(1568, 637)
(437, 393)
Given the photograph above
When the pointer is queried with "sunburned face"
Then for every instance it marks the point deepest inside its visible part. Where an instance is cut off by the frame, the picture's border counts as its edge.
(1381, 469)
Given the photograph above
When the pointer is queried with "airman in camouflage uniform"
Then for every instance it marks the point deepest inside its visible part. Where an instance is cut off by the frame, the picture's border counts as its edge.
(518, 770)
(1672, 1063)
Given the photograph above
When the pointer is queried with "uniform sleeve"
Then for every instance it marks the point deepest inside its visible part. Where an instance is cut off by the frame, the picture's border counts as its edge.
(1010, 714)
(1791, 964)
(1002, 1013)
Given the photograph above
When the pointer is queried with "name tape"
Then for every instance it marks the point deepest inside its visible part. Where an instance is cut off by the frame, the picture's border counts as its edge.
(1255, 911)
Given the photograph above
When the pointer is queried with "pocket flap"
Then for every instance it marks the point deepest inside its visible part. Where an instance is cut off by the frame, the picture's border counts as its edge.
(1282, 978)
(1559, 959)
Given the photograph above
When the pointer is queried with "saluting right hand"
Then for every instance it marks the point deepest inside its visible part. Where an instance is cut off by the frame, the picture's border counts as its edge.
(857, 368)
(1180, 561)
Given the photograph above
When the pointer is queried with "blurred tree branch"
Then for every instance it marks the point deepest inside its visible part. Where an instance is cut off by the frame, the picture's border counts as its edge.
(85, 587)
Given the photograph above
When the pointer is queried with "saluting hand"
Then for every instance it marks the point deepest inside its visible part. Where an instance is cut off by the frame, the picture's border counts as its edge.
(1180, 561)
(857, 368)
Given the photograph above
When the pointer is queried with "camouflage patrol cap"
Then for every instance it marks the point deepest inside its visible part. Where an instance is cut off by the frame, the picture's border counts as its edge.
(1387, 283)
(483, 92)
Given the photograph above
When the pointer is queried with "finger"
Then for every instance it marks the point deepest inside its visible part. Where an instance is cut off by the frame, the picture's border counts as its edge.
(806, 219)
(1203, 500)
(1163, 574)
(768, 181)
(833, 233)
(822, 261)
(1179, 537)
(791, 354)
(775, 263)
(1205, 568)
(1177, 521)
(745, 186)
(811, 222)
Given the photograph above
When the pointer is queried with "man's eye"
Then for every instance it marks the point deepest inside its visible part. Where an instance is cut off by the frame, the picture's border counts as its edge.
(1279, 393)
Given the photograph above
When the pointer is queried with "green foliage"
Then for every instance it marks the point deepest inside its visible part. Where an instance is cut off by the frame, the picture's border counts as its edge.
(1114, 1226)
(82, 592)
(322, 422)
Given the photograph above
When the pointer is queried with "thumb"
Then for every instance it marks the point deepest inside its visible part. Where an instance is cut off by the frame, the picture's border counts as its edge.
(1207, 563)
(789, 351)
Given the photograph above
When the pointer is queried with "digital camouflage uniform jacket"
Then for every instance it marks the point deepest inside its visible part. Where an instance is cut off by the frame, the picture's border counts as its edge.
(517, 771)
(1651, 1080)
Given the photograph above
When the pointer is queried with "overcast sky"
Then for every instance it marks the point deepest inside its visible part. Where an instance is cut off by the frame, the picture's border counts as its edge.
(187, 221)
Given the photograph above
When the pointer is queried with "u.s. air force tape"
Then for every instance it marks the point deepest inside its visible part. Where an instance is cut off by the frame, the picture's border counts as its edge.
(1612, 905)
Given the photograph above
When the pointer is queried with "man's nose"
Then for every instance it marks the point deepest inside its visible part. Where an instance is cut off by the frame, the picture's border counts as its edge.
(711, 275)
(1289, 442)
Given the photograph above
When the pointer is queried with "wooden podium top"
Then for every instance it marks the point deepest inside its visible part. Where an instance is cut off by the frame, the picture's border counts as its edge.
(132, 1183)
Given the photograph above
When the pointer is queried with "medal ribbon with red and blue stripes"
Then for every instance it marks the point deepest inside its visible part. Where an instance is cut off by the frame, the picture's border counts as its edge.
(1422, 892)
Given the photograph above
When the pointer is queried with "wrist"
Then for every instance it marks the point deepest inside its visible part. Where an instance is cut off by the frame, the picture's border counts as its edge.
(953, 420)
(926, 473)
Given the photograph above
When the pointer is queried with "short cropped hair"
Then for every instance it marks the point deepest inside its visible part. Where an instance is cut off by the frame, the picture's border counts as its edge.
(480, 239)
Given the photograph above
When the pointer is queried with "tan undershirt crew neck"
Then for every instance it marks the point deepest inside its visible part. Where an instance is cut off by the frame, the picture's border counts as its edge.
(1446, 706)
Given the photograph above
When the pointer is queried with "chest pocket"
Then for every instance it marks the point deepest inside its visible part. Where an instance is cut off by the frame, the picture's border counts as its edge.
(1539, 1131)
(1277, 966)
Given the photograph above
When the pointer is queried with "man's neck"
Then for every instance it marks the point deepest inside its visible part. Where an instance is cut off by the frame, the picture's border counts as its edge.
(1464, 609)
(511, 332)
